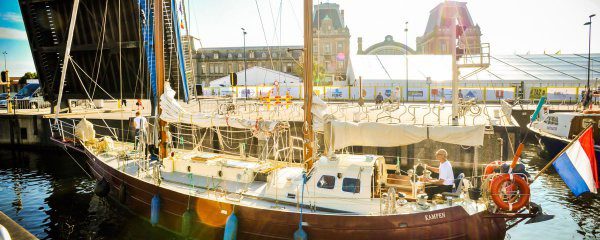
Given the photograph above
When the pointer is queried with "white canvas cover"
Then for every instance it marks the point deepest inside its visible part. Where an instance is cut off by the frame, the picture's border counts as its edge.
(343, 134)
(84, 131)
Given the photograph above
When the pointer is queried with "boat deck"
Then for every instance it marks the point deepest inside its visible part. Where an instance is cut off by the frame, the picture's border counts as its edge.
(251, 194)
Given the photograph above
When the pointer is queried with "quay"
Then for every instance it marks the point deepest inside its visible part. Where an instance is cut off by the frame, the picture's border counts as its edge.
(31, 128)
(14, 229)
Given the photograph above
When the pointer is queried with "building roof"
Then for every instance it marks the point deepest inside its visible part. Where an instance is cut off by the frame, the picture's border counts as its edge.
(328, 10)
(258, 76)
(514, 68)
(276, 52)
(441, 16)
(386, 43)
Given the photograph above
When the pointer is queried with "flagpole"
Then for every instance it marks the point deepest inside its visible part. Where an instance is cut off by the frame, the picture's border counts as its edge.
(560, 153)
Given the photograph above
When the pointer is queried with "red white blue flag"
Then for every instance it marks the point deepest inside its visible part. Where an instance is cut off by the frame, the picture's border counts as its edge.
(577, 165)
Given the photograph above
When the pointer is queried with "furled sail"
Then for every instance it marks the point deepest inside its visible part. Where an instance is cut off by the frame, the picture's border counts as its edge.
(343, 134)
(147, 22)
(178, 18)
(173, 112)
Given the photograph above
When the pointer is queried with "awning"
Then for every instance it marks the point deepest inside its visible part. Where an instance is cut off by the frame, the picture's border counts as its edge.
(343, 134)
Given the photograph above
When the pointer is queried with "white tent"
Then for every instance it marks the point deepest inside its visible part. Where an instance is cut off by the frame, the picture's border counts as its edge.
(391, 69)
(258, 76)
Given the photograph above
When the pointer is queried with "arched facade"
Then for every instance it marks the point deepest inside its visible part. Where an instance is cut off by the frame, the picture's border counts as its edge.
(387, 47)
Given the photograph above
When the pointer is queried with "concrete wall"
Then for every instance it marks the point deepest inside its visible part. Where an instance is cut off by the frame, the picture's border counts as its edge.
(24, 130)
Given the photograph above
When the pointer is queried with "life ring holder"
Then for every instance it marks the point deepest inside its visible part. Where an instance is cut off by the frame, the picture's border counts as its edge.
(514, 180)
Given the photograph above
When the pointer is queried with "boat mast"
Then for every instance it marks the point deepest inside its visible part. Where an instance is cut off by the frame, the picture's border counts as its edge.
(307, 128)
(455, 70)
(160, 75)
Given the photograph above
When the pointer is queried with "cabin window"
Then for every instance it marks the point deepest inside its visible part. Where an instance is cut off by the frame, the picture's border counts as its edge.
(351, 185)
(326, 181)
(551, 120)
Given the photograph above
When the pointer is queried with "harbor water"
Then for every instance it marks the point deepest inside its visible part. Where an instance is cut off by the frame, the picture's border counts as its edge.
(49, 194)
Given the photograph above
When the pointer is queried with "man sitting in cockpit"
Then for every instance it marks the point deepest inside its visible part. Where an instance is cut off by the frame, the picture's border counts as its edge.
(445, 181)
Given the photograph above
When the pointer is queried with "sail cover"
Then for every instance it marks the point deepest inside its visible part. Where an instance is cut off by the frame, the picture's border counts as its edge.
(173, 112)
(344, 134)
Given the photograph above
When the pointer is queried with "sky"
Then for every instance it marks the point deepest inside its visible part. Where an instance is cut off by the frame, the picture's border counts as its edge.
(510, 26)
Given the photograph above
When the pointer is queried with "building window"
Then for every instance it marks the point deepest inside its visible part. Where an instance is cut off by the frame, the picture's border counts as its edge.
(203, 68)
(264, 55)
(443, 47)
(216, 55)
(340, 65)
(288, 67)
(351, 185)
(327, 48)
(274, 55)
(229, 56)
(315, 48)
(251, 55)
(230, 68)
(221, 68)
(202, 56)
(340, 47)
(240, 55)
(212, 68)
(326, 182)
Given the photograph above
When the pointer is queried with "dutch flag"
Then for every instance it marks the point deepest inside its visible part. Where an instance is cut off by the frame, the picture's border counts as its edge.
(577, 165)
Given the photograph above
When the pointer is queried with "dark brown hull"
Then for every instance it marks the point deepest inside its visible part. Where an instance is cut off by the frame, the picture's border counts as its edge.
(259, 223)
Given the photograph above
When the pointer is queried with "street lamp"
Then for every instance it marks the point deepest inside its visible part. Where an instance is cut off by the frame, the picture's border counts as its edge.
(4, 53)
(406, 56)
(245, 66)
(589, 50)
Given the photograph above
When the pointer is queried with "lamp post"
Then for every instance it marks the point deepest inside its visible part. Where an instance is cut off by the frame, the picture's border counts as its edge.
(406, 56)
(589, 50)
(245, 66)
(4, 53)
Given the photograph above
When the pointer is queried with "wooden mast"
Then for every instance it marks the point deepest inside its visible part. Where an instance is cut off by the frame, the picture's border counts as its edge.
(160, 73)
(307, 128)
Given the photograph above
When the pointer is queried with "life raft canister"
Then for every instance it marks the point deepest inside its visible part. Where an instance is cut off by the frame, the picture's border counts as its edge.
(518, 183)
(491, 167)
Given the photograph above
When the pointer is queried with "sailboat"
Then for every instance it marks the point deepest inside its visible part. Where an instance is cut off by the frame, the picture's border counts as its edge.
(327, 195)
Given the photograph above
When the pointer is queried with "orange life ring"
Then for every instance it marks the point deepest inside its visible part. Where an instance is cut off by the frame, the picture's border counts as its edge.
(515, 182)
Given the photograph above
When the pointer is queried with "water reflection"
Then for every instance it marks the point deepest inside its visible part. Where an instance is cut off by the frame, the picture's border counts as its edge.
(575, 218)
(51, 197)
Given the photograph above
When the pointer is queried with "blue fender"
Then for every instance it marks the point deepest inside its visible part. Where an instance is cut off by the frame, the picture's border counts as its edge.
(186, 223)
(300, 234)
(231, 227)
(154, 210)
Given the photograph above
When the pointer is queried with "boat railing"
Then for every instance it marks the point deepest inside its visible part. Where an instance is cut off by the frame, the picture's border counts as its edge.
(64, 130)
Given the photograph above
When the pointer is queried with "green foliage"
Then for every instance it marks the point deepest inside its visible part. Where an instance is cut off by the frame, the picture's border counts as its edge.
(27, 75)
(318, 73)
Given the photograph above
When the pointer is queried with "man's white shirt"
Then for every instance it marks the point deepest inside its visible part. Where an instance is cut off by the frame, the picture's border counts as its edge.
(140, 122)
(446, 173)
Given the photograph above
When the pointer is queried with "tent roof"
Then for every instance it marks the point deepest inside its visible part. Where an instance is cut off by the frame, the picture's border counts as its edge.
(511, 68)
(258, 76)
(393, 67)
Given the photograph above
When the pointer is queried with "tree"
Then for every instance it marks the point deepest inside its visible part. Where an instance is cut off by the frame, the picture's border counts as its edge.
(318, 72)
(26, 76)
